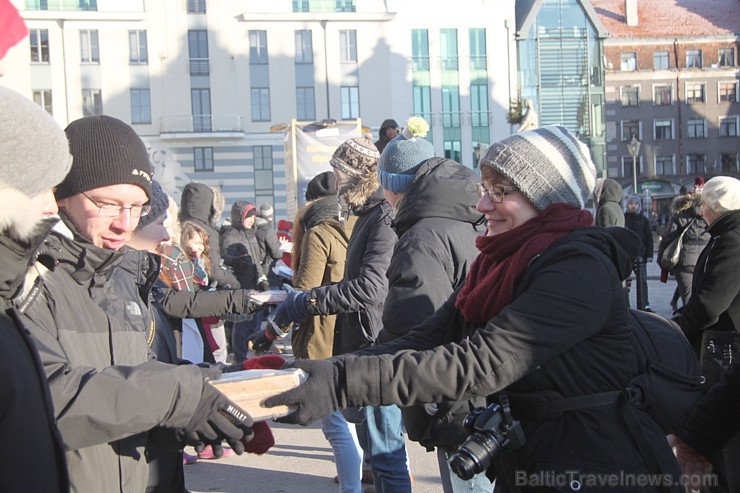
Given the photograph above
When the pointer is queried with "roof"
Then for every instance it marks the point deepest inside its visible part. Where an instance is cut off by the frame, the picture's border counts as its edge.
(671, 18)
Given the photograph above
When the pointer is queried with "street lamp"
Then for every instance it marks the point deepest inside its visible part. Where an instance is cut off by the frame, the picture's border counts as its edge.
(634, 148)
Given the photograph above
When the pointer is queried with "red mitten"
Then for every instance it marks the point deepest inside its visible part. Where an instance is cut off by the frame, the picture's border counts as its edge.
(262, 440)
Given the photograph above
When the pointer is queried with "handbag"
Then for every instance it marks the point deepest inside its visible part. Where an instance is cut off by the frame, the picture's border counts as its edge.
(671, 253)
(719, 349)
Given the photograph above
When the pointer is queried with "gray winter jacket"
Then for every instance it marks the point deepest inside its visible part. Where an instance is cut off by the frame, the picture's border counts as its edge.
(90, 323)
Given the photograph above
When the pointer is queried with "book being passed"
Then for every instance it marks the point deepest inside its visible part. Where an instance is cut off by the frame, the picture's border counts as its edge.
(270, 297)
(248, 388)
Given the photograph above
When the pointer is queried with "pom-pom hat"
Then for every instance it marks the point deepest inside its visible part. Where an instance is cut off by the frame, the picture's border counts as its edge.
(404, 155)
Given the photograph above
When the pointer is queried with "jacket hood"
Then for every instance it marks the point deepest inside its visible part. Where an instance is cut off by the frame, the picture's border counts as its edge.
(690, 202)
(19, 213)
(634, 199)
(390, 123)
(619, 244)
(441, 188)
(363, 191)
(17, 254)
(197, 203)
(238, 210)
(611, 192)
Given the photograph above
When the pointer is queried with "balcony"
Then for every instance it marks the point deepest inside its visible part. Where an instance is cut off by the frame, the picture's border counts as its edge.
(199, 66)
(323, 6)
(202, 124)
(62, 5)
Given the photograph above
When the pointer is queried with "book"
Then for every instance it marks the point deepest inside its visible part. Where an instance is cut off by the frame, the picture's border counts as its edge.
(249, 388)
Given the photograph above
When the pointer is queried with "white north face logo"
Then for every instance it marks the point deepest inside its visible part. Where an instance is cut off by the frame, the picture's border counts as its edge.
(133, 308)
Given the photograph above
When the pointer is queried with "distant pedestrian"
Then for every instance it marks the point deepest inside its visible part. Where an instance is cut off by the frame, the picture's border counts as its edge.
(388, 131)
(609, 211)
(640, 225)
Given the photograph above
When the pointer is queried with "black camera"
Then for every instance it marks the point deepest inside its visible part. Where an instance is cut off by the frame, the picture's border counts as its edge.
(492, 429)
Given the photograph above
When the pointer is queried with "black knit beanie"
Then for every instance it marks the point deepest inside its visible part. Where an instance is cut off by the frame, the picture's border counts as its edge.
(321, 185)
(105, 151)
(159, 203)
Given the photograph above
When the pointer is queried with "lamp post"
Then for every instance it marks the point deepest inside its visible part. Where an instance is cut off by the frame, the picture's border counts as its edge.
(634, 148)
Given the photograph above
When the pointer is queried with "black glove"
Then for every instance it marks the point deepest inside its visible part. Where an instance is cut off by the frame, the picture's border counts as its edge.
(323, 393)
(217, 418)
(261, 341)
(264, 285)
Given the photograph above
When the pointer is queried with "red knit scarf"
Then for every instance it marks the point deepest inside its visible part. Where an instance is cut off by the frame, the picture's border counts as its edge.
(503, 259)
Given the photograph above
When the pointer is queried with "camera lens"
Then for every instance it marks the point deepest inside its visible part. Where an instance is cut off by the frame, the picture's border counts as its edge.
(475, 455)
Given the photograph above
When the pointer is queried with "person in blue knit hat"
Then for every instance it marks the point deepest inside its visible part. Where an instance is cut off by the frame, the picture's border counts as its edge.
(404, 155)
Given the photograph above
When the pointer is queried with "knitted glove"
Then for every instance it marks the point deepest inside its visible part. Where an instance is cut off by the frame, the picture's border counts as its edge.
(262, 340)
(263, 439)
(323, 393)
(292, 310)
(217, 418)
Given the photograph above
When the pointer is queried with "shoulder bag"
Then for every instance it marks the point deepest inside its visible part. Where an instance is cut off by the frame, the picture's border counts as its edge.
(671, 253)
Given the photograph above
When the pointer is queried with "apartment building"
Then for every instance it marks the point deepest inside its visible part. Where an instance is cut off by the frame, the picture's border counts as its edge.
(210, 84)
(672, 81)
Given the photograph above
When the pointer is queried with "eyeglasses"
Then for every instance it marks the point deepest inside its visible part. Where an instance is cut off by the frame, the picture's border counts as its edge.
(496, 193)
(110, 210)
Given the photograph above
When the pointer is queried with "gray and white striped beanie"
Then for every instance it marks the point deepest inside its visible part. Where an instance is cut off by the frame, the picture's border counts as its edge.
(548, 164)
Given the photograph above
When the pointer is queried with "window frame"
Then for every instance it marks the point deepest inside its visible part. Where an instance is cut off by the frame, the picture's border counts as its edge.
(349, 103)
(694, 123)
(44, 99)
(142, 110)
(264, 165)
(721, 59)
(690, 89)
(627, 165)
(306, 52)
(258, 54)
(623, 125)
(696, 170)
(661, 56)
(138, 51)
(348, 46)
(260, 104)
(305, 115)
(728, 122)
(95, 96)
(660, 157)
(669, 126)
(629, 59)
(195, 6)
(622, 94)
(736, 90)
(90, 45)
(39, 45)
(205, 159)
(694, 59)
(655, 94)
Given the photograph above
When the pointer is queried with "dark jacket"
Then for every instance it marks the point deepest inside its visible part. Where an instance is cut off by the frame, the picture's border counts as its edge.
(549, 341)
(715, 419)
(358, 299)
(240, 249)
(90, 322)
(383, 138)
(640, 225)
(34, 460)
(686, 210)
(269, 247)
(715, 295)
(435, 222)
(197, 205)
(609, 212)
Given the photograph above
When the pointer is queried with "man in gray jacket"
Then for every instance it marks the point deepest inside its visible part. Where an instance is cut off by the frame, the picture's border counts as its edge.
(90, 321)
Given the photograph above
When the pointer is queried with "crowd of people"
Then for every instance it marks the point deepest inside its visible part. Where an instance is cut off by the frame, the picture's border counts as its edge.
(421, 290)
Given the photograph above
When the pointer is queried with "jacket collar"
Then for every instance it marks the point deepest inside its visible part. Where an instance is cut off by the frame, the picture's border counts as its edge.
(17, 255)
(726, 222)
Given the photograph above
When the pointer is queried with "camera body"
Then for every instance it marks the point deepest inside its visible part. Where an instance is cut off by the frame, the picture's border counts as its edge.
(492, 429)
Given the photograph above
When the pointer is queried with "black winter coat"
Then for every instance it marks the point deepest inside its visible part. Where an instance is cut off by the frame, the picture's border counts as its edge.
(564, 334)
(34, 459)
(358, 299)
(197, 205)
(715, 295)
(240, 251)
(686, 211)
(435, 222)
(640, 225)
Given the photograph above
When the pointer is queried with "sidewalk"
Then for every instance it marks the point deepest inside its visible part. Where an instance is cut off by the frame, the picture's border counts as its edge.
(302, 459)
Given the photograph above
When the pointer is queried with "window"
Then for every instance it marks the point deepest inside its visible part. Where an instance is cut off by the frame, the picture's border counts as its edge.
(694, 92)
(693, 59)
(92, 102)
(662, 95)
(479, 105)
(478, 49)
(729, 163)
(726, 57)
(257, 47)
(141, 106)
(663, 130)
(661, 60)
(630, 96)
(200, 99)
(345, 5)
(697, 129)
(451, 106)
(452, 150)
(89, 48)
(420, 50)
(630, 128)
(423, 102)
(263, 176)
(43, 98)
(305, 104)
(137, 51)
(728, 126)
(695, 164)
(260, 104)
(303, 47)
(448, 49)
(198, 52)
(628, 62)
(664, 165)
(203, 158)
(196, 6)
(628, 169)
(728, 91)
(348, 46)
(350, 102)
(39, 45)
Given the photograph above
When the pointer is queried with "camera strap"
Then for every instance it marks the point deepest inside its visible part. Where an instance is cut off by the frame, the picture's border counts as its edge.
(543, 406)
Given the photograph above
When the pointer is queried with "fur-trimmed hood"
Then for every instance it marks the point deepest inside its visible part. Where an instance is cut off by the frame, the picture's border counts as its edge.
(690, 202)
(19, 213)
(361, 191)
